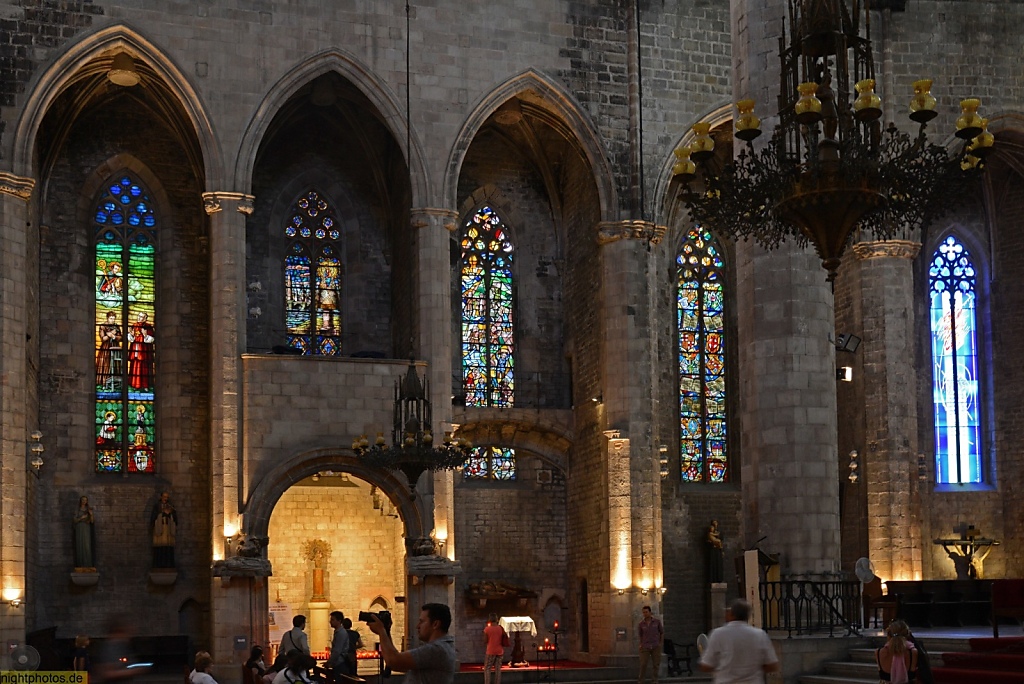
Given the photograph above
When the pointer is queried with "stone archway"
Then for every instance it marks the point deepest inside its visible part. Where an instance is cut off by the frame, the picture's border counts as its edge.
(290, 484)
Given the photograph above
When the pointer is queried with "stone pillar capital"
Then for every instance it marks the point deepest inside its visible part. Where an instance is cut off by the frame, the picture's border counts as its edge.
(421, 217)
(613, 231)
(877, 249)
(213, 202)
(16, 186)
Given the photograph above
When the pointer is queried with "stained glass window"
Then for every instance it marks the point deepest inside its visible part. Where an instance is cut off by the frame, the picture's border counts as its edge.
(490, 463)
(125, 338)
(951, 281)
(312, 277)
(487, 333)
(700, 312)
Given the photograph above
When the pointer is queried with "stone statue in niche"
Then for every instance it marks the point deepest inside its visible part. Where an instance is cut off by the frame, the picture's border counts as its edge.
(84, 536)
(164, 525)
(317, 551)
(716, 562)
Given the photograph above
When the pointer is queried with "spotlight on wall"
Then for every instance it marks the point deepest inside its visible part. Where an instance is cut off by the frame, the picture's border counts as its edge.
(36, 448)
(844, 373)
(597, 399)
(922, 468)
(122, 71)
(644, 591)
(662, 590)
(622, 591)
(847, 342)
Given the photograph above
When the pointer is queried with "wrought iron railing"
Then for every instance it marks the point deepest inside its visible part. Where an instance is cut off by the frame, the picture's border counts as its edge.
(811, 607)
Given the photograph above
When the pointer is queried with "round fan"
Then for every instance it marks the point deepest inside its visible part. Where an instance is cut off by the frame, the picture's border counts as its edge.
(864, 570)
(702, 643)
(24, 658)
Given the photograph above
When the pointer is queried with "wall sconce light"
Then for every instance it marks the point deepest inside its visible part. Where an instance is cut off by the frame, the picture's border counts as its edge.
(122, 71)
(922, 468)
(844, 373)
(853, 477)
(36, 448)
(622, 591)
(599, 399)
(663, 460)
(12, 596)
(847, 342)
(662, 590)
(644, 590)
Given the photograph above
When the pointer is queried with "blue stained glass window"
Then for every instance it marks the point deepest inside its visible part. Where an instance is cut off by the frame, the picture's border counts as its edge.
(700, 318)
(487, 329)
(951, 283)
(312, 284)
(125, 335)
(490, 463)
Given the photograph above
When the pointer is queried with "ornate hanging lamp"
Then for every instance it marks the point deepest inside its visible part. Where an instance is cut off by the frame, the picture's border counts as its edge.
(830, 168)
(412, 449)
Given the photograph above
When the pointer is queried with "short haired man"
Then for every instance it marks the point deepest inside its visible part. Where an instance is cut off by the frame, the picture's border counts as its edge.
(434, 661)
(338, 661)
(494, 649)
(738, 652)
(295, 638)
(652, 636)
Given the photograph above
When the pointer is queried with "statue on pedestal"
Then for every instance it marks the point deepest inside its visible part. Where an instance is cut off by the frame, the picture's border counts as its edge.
(317, 551)
(84, 536)
(164, 524)
(716, 561)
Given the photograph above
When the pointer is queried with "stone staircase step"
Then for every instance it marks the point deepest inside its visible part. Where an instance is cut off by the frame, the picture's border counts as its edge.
(829, 679)
(852, 669)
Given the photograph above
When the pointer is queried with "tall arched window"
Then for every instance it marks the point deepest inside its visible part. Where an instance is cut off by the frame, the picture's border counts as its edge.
(951, 281)
(700, 312)
(490, 463)
(125, 309)
(487, 331)
(312, 277)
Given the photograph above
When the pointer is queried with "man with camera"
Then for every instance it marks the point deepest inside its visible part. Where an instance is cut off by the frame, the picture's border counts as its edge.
(434, 661)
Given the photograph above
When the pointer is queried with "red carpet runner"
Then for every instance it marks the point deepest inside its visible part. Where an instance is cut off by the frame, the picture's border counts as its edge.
(992, 661)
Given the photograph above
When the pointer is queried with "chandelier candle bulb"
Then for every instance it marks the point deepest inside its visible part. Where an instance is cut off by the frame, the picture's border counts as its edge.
(748, 126)
(703, 147)
(808, 107)
(982, 145)
(684, 168)
(867, 106)
(922, 105)
(968, 124)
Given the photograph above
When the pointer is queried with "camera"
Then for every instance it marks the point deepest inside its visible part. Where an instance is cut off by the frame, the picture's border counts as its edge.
(384, 616)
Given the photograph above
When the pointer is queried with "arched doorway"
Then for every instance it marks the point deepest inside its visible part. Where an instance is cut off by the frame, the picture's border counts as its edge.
(333, 507)
(336, 543)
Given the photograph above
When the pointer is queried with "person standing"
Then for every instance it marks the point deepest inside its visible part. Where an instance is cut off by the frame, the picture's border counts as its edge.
(433, 662)
(338, 661)
(737, 652)
(652, 635)
(495, 639)
(295, 638)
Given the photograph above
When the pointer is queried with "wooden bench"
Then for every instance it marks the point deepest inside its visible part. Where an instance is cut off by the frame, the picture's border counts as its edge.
(1007, 601)
(929, 603)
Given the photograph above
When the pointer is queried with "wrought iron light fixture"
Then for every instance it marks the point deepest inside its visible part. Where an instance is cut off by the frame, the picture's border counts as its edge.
(830, 168)
(412, 449)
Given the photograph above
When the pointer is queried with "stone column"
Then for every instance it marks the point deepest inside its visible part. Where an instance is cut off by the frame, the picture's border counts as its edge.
(788, 441)
(15, 192)
(890, 406)
(227, 212)
(432, 228)
(633, 470)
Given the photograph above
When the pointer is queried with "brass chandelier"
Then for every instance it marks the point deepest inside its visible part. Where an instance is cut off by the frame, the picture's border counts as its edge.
(412, 449)
(829, 167)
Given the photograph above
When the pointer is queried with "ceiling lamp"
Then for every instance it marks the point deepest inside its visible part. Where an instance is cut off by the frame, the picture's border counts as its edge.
(412, 449)
(122, 71)
(830, 167)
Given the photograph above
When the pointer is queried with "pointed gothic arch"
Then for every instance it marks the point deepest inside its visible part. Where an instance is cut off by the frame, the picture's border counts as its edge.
(369, 84)
(93, 53)
(575, 122)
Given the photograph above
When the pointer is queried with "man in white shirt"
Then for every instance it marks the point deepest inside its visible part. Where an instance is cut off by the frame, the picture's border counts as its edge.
(295, 638)
(738, 653)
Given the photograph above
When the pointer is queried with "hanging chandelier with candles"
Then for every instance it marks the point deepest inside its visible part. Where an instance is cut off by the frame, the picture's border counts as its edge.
(412, 449)
(830, 168)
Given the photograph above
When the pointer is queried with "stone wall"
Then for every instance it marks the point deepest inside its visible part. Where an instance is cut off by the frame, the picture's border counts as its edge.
(105, 140)
(512, 532)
